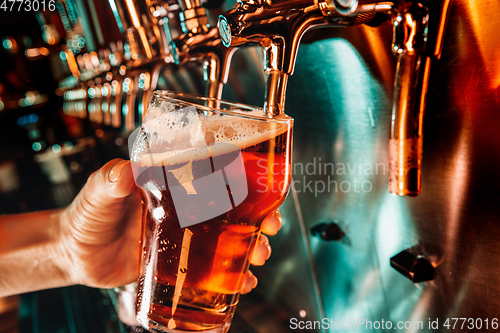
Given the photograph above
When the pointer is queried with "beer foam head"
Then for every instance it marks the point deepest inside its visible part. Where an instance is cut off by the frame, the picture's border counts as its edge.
(169, 137)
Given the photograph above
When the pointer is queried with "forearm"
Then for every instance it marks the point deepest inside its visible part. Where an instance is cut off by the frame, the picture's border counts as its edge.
(30, 254)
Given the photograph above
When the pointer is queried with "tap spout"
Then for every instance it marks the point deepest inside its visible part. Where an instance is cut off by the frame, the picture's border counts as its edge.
(279, 36)
(207, 49)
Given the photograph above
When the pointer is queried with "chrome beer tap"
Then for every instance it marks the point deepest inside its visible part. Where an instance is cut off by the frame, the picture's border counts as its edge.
(279, 25)
(199, 42)
(418, 25)
(143, 23)
(143, 30)
(418, 31)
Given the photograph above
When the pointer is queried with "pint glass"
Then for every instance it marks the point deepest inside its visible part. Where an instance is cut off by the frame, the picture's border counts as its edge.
(210, 172)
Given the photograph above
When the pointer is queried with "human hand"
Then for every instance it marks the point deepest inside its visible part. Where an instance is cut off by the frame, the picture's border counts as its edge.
(101, 229)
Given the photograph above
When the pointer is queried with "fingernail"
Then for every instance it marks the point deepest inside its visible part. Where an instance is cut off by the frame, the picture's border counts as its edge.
(269, 251)
(255, 282)
(264, 239)
(116, 170)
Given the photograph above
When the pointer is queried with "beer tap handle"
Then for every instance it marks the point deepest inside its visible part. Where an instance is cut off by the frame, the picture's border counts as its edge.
(418, 33)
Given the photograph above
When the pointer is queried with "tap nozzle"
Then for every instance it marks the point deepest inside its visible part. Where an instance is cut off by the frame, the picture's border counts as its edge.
(254, 23)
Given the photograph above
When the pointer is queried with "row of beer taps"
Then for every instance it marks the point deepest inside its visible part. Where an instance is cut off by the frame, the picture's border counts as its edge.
(117, 95)
(277, 26)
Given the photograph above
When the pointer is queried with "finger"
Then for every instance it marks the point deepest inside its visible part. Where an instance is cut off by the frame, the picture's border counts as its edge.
(262, 251)
(113, 181)
(263, 239)
(272, 223)
(249, 282)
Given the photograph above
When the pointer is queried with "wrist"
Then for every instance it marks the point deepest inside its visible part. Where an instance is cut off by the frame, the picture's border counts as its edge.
(61, 246)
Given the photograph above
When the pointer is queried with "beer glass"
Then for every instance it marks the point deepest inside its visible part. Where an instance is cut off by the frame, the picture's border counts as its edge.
(210, 172)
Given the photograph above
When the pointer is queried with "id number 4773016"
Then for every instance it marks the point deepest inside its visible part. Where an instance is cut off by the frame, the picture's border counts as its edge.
(471, 323)
(27, 5)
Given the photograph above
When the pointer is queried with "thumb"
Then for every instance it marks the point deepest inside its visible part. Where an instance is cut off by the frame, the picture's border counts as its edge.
(114, 180)
(102, 204)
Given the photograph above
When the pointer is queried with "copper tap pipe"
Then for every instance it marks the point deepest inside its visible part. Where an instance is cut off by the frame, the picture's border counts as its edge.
(418, 35)
(406, 139)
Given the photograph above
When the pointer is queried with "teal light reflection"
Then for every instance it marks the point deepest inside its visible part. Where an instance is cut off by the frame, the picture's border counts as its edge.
(345, 96)
(112, 4)
(7, 43)
(141, 109)
(37, 146)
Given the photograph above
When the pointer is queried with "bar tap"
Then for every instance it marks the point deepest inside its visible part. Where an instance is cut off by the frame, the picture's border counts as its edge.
(146, 37)
(418, 27)
(147, 40)
(201, 43)
(278, 26)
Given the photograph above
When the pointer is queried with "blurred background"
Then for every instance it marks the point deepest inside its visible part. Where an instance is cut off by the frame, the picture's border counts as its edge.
(76, 78)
